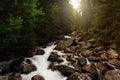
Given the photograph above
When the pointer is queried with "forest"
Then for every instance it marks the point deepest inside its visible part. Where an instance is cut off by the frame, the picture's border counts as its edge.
(27, 24)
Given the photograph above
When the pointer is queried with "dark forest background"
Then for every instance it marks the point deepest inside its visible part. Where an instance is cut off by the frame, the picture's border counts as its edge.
(28, 23)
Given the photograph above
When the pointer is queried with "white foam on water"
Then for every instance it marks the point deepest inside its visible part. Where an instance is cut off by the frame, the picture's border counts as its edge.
(67, 37)
(88, 62)
(65, 62)
(42, 64)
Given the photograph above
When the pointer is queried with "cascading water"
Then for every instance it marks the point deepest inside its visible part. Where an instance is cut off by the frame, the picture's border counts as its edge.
(41, 62)
(42, 67)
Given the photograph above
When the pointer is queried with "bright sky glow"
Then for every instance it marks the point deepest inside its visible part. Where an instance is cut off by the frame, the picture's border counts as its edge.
(75, 4)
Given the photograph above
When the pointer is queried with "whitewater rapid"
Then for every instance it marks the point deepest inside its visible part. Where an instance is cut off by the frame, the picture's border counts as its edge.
(41, 63)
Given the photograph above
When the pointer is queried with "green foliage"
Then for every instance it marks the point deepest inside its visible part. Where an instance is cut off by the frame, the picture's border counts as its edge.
(12, 30)
(18, 22)
(27, 23)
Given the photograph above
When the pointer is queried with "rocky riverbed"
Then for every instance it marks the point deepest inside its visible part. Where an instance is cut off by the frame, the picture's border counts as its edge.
(68, 58)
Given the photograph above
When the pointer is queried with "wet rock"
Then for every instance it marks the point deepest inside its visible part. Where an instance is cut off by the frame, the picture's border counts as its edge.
(15, 62)
(82, 43)
(40, 52)
(16, 65)
(109, 66)
(112, 75)
(30, 53)
(91, 68)
(86, 53)
(68, 50)
(5, 69)
(37, 48)
(71, 58)
(36, 51)
(78, 48)
(9, 66)
(113, 46)
(86, 46)
(4, 77)
(78, 76)
(27, 68)
(82, 61)
(61, 37)
(94, 58)
(91, 41)
(54, 57)
(63, 44)
(77, 67)
(15, 76)
(49, 44)
(71, 49)
(97, 54)
(65, 70)
(99, 48)
(115, 62)
(51, 66)
(102, 67)
(77, 40)
(104, 57)
(37, 77)
(28, 61)
(112, 54)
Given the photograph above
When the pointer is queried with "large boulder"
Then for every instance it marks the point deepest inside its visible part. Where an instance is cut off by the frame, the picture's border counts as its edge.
(9, 66)
(82, 61)
(64, 43)
(30, 53)
(71, 49)
(37, 51)
(54, 57)
(97, 54)
(15, 76)
(40, 52)
(27, 68)
(99, 48)
(16, 65)
(60, 37)
(112, 54)
(28, 61)
(78, 76)
(94, 58)
(115, 62)
(77, 67)
(37, 77)
(65, 70)
(102, 67)
(104, 57)
(91, 68)
(77, 40)
(5, 68)
(112, 75)
(86, 53)
(68, 50)
(92, 40)
(85, 45)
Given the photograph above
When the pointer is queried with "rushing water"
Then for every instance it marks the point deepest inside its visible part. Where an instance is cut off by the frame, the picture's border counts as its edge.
(42, 64)
(40, 61)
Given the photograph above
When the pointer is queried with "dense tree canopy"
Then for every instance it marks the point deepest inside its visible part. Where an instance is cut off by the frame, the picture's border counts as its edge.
(28, 23)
